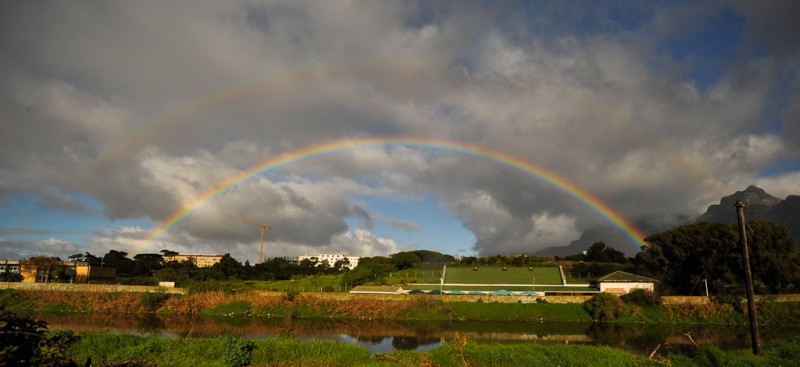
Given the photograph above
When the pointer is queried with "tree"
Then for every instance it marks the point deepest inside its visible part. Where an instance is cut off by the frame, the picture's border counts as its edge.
(600, 252)
(44, 266)
(146, 263)
(168, 253)
(85, 257)
(368, 269)
(228, 267)
(681, 258)
(114, 257)
(341, 265)
(405, 260)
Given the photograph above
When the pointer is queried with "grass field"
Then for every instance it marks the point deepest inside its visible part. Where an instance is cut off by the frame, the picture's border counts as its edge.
(307, 284)
(519, 288)
(497, 275)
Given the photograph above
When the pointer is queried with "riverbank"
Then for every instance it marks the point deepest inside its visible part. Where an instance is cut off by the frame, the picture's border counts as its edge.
(111, 350)
(433, 308)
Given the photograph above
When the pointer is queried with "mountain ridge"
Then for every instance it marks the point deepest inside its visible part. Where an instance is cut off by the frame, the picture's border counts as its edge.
(761, 206)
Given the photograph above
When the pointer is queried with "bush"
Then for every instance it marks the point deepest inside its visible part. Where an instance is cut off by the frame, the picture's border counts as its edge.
(640, 297)
(238, 351)
(291, 295)
(327, 288)
(153, 301)
(53, 348)
(604, 307)
(19, 338)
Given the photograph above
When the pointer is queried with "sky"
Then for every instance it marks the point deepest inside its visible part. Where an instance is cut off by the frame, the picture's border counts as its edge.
(465, 127)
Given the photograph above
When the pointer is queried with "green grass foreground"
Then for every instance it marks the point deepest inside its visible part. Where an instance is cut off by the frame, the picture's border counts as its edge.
(113, 349)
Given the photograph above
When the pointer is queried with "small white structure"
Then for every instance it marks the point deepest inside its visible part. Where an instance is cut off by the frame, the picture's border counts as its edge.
(331, 259)
(620, 282)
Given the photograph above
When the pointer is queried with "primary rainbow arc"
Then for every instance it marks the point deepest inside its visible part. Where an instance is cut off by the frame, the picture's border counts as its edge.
(333, 146)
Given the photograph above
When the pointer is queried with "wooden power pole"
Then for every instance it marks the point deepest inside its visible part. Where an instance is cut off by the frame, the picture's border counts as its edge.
(751, 304)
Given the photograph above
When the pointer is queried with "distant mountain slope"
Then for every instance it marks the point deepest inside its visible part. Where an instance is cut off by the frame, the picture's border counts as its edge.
(610, 236)
(763, 206)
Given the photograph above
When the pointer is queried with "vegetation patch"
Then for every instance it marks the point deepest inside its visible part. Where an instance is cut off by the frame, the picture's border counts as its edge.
(604, 307)
(457, 351)
(60, 307)
(153, 301)
(232, 309)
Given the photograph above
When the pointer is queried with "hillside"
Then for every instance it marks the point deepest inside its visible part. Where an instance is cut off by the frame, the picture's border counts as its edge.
(763, 206)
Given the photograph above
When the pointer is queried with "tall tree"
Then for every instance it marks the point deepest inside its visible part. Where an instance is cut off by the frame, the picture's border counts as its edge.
(405, 260)
(44, 266)
(681, 258)
(600, 252)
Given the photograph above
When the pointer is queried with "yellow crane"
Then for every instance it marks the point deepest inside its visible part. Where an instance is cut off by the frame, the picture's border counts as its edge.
(263, 228)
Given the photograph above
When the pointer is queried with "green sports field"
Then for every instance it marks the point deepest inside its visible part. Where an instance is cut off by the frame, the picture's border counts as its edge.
(497, 275)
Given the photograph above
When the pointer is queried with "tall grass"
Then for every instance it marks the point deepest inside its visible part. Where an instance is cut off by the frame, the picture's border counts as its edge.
(110, 349)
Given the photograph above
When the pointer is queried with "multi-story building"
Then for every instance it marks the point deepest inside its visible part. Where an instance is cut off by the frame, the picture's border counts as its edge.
(331, 259)
(201, 260)
(79, 272)
(11, 266)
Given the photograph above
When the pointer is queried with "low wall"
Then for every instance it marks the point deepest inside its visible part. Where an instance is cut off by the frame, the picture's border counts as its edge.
(684, 300)
(701, 300)
(71, 287)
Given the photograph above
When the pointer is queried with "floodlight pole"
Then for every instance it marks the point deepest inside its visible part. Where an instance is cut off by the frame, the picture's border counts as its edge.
(751, 304)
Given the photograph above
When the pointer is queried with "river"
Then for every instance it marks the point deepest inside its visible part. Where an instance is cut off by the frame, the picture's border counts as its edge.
(382, 336)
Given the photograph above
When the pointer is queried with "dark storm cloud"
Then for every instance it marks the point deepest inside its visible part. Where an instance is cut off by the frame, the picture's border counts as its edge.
(193, 93)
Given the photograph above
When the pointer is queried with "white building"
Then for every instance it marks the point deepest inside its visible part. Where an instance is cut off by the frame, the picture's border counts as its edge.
(200, 260)
(620, 282)
(331, 259)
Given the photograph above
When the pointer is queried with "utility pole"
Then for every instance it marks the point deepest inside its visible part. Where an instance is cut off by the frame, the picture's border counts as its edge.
(751, 304)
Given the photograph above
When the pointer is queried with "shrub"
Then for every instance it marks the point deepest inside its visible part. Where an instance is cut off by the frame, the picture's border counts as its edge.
(238, 351)
(291, 295)
(19, 338)
(604, 307)
(153, 301)
(640, 297)
(53, 347)
(327, 288)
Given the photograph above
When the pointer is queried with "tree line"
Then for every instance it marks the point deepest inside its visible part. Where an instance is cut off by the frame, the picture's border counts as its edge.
(684, 260)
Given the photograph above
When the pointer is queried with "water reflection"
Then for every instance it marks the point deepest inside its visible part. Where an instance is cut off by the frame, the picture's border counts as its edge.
(384, 336)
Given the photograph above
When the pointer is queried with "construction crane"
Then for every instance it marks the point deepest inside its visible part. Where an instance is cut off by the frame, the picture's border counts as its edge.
(263, 228)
